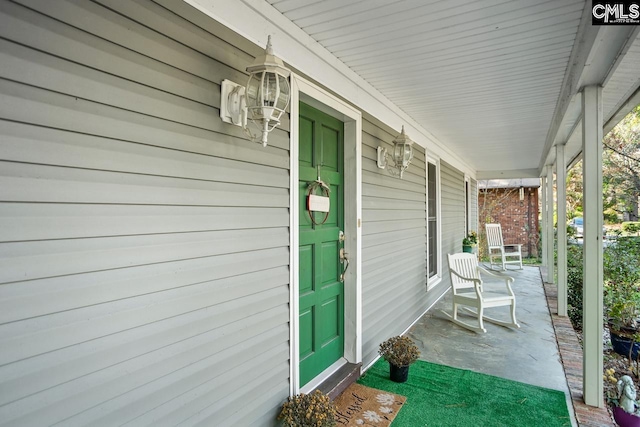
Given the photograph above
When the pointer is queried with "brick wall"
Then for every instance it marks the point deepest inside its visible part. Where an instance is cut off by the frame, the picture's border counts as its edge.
(519, 218)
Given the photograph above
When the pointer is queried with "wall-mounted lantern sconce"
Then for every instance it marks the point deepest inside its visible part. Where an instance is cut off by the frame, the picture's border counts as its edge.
(262, 101)
(400, 158)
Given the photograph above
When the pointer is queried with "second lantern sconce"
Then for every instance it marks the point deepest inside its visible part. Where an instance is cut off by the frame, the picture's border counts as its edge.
(399, 160)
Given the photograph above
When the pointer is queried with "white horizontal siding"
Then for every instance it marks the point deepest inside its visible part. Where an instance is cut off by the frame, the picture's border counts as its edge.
(144, 259)
(128, 275)
(53, 110)
(393, 244)
(23, 143)
(453, 216)
(30, 221)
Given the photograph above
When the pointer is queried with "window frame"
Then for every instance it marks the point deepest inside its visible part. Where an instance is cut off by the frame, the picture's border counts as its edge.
(437, 277)
(467, 204)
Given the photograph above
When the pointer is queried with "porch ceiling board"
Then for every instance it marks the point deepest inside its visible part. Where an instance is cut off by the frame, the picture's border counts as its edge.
(493, 80)
(484, 77)
(624, 82)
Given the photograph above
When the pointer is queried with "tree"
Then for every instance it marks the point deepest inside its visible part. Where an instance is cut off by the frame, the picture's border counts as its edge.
(621, 166)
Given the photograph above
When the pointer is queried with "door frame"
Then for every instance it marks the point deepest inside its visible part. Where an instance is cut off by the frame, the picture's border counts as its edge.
(309, 93)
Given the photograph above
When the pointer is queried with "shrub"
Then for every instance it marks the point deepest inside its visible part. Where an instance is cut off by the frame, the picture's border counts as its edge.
(631, 227)
(308, 410)
(622, 282)
(399, 351)
(611, 216)
(622, 261)
(574, 285)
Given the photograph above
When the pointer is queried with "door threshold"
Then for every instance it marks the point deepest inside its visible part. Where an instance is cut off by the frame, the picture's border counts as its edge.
(323, 376)
(340, 380)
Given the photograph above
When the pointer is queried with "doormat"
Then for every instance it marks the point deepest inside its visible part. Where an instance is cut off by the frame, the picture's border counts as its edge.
(441, 396)
(364, 406)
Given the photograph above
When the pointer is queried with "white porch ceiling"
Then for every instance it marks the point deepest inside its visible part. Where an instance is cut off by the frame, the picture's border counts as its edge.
(488, 78)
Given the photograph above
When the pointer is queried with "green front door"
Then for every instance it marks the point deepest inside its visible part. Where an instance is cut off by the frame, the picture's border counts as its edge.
(321, 290)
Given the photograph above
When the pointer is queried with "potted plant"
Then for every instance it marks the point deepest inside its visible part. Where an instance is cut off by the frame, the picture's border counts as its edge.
(308, 410)
(622, 297)
(400, 352)
(469, 242)
(622, 303)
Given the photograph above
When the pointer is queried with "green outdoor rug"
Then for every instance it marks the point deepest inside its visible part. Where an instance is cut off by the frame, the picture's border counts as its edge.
(439, 396)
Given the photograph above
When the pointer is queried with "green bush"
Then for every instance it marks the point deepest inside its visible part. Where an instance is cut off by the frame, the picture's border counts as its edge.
(574, 285)
(631, 227)
(622, 282)
(611, 216)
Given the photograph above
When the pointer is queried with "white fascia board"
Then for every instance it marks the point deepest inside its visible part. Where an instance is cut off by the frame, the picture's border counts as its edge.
(257, 19)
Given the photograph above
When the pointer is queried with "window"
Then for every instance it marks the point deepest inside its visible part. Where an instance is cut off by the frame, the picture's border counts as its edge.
(432, 221)
(467, 203)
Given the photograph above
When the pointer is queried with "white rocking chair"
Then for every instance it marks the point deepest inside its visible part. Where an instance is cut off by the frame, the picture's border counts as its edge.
(467, 287)
(507, 254)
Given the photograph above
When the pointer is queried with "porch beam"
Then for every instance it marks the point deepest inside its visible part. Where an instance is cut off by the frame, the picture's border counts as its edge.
(561, 190)
(508, 174)
(596, 55)
(550, 236)
(592, 126)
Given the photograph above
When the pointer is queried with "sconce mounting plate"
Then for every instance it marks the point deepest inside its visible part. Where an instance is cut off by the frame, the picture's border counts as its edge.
(382, 157)
(231, 98)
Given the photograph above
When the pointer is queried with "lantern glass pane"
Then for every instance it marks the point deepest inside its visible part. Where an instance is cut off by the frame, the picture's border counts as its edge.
(270, 90)
(407, 153)
(283, 100)
(252, 92)
(397, 153)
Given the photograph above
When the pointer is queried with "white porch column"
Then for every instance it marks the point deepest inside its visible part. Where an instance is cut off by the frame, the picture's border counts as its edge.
(561, 186)
(543, 215)
(550, 237)
(592, 123)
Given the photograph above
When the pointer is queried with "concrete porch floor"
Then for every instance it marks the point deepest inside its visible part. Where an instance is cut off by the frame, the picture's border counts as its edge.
(529, 354)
